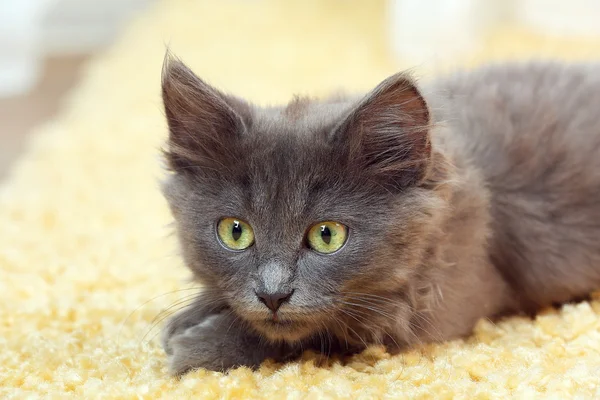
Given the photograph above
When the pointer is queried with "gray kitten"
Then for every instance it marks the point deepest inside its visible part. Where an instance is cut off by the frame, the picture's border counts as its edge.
(389, 219)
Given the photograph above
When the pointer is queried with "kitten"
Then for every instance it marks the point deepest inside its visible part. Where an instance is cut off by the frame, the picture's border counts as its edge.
(392, 219)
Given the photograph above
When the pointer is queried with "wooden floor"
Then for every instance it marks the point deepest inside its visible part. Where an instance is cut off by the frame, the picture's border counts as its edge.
(18, 115)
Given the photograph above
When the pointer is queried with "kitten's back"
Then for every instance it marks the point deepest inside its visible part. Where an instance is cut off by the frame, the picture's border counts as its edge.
(533, 130)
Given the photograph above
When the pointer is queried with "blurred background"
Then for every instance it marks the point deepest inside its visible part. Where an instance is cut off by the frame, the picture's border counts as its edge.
(45, 44)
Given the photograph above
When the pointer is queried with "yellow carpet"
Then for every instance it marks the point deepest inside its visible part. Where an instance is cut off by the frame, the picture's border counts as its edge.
(84, 245)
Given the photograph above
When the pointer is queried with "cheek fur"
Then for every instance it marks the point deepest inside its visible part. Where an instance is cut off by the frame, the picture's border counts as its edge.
(389, 252)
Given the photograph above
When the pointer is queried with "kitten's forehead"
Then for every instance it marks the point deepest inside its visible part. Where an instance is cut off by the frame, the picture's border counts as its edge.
(291, 143)
(288, 158)
(301, 116)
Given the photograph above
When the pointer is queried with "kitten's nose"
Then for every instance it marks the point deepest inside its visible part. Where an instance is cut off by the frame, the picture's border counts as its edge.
(274, 300)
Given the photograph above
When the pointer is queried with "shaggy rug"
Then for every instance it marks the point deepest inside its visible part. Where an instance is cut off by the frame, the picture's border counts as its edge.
(88, 270)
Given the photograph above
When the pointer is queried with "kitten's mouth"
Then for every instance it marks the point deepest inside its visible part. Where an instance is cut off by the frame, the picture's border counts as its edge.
(286, 325)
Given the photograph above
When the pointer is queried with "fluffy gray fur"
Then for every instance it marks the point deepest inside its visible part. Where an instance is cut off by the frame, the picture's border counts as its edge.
(480, 199)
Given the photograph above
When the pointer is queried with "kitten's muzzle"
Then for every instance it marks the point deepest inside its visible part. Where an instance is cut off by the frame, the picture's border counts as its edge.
(274, 300)
(273, 285)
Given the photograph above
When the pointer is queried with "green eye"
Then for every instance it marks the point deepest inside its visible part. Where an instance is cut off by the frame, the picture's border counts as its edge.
(235, 234)
(327, 237)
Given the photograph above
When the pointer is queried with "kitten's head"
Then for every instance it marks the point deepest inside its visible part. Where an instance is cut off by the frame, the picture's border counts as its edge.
(290, 212)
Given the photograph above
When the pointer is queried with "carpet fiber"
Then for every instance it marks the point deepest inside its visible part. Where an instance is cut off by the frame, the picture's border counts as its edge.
(84, 239)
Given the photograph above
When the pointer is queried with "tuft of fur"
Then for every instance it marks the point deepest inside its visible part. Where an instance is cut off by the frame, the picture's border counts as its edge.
(476, 201)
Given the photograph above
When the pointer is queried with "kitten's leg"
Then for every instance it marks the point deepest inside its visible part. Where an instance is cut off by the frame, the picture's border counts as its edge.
(219, 343)
(203, 306)
(214, 338)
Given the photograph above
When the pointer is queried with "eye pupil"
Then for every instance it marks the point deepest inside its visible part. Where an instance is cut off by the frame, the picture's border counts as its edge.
(325, 234)
(326, 237)
(236, 231)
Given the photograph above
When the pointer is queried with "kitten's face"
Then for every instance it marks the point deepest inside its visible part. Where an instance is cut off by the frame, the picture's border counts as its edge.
(249, 184)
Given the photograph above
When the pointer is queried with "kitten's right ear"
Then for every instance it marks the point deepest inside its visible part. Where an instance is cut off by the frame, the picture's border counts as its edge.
(203, 126)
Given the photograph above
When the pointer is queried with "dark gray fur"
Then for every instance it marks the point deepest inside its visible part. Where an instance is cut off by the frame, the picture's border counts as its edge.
(483, 203)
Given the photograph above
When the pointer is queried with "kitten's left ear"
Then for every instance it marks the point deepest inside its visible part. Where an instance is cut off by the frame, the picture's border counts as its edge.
(387, 133)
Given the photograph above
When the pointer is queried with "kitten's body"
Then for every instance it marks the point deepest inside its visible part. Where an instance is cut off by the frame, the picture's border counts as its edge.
(494, 208)
(533, 132)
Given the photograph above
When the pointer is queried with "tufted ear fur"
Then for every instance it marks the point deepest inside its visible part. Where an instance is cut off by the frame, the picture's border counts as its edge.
(387, 133)
(203, 125)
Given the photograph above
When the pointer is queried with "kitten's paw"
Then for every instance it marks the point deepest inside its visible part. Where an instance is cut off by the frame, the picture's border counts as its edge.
(201, 346)
(217, 342)
(182, 322)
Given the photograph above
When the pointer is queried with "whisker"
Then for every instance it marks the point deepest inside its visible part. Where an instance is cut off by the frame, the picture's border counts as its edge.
(437, 334)
(366, 295)
(183, 300)
(349, 327)
(166, 313)
(364, 315)
(181, 304)
(330, 342)
(342, 328)
(235, 319)
(145, 303)
(370, 307)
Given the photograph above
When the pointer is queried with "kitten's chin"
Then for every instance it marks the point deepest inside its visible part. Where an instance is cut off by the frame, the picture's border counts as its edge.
(283, 330)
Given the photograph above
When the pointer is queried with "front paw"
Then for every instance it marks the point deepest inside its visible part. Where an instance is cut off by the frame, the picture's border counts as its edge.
(204, 345)
(204, 308)
(218, 343)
